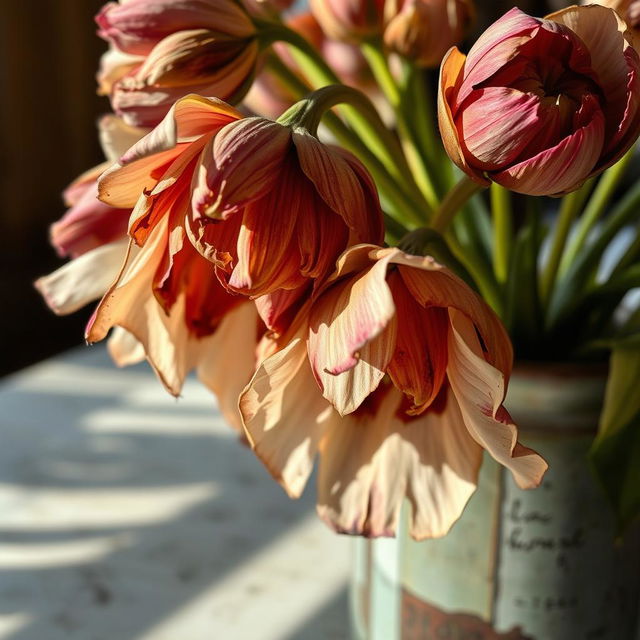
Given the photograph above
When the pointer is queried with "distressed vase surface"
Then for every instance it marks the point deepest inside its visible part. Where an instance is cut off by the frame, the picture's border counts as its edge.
(518, 565)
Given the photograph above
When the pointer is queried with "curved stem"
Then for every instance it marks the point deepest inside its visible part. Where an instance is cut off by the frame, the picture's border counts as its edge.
(364, 119)
(403, 207)
(375, 57)
(453, 202)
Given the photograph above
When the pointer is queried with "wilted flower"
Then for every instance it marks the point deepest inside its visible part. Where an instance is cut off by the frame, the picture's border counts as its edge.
(424, 30)
(417, 365)
(349, 20)
(540, 105)
(166, 49)
(271, 206)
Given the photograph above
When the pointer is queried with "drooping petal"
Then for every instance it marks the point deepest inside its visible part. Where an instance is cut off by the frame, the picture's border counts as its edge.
(352, 332)
(123, 348)
(479, 389)
(419, 362)
(285, 416)
(116, 136)
(370, 462)
(431, 284)
(84, 279)
(339, 185)
(190, 118)
(239, 166)
(228, 359)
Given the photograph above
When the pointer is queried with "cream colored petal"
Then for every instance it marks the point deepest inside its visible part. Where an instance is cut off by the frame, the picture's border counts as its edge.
(83, 279)
(352, 337)
(227, 359)
(480, 389)
(285, 416)
(116, 136)
(369, 464)
(124, 348)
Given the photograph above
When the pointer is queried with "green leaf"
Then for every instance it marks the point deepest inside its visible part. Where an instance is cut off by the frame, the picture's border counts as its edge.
(615, 453)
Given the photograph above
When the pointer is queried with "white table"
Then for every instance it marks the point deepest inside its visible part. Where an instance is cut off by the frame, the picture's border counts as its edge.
(128, 515)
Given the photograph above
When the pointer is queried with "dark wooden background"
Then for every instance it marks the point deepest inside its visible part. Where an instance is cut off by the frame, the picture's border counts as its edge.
(48, 108)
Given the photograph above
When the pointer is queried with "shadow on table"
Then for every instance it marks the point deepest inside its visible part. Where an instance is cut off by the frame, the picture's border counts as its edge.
(152, 494)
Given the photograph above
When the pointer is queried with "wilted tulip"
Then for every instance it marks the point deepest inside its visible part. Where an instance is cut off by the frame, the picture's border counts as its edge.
(540, 105)
(208, 46)
(424, 30)
(349, 20)
(417, 364)
(271, 206)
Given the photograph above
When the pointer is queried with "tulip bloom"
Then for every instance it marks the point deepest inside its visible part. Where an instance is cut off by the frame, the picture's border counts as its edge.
(349, 20)
(270, 207)
(166, 49)
(413, 367)
(424, 30)
(540, 105)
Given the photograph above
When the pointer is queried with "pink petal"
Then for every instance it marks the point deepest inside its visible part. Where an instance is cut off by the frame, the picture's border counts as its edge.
(479, 389)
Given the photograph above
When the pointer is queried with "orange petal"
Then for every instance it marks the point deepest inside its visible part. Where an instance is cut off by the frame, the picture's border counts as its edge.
(189, 119)
(479, 389)
(370, 463)
(451, 73)
(123, 348)
(285, 416)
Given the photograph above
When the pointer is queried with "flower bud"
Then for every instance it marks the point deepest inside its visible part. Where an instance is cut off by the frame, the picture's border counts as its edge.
(541, 105)
(163, 50)
(349, 20)
(424, 30)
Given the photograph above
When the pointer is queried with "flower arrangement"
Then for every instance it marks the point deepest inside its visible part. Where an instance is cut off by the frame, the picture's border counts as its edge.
(346, 281)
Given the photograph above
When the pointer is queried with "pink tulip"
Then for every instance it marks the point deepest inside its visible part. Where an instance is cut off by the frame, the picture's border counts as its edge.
(413, 367)
(162, 50)
(541, 105)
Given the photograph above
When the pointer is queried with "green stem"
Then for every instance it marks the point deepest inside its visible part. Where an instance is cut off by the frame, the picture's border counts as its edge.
(377, 61)
(596, 207)
(453, 202)
(502, 231)
(365, 120)
(569, 209)
(404, 208)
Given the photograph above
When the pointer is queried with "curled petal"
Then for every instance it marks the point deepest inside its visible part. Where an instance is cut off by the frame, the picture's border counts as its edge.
(124, 349)
(479, 389)
(189, 119)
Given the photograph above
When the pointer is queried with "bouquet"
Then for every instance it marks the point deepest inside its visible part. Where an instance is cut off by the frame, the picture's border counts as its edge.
(345, 226)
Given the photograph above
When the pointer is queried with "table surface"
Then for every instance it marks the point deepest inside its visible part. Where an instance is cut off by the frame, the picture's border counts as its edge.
(127, 514)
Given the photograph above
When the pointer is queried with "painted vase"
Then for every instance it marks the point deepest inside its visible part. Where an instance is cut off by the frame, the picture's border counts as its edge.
(518, 565)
